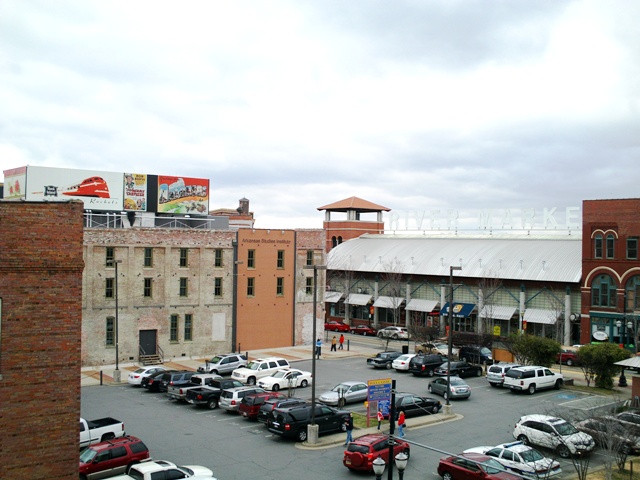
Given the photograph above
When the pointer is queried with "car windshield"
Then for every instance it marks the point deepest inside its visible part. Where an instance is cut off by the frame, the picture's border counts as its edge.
(492, 466)
(485, 351)
(140, 370)
(340, 388)
(279, 374)
(87, 455)
(457, 381)
(565, 429)
(215, 359)
(253, 365)
(531, 455)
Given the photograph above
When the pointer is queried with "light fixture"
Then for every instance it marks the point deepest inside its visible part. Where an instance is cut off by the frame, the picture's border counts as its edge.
(378, 467)
(401, 463)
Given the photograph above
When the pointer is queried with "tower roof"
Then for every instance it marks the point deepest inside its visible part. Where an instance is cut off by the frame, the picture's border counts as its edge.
(354, 203)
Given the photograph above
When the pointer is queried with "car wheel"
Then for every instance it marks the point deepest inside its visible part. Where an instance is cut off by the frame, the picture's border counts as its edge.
(558, 384)
(493, 385)
(302, 435)
(626, 449)
(569, 362)
(380, 335)
(251, 381)
(214, 372)
(388, 365)
(429, 389)
(479, 372)
(343, 426)
(364, 334)
(212, 404)
(107, 436)
(445, 395)
(523, 439)
(275, 387)
(394, 336)
(563, 451)
(430, 372)
(407, 452)
(447, 476)
(532, 389)
(434, 410)
(304, 383)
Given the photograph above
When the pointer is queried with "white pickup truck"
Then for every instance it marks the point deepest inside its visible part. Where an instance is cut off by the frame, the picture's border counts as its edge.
(149, 471)
(94, 431)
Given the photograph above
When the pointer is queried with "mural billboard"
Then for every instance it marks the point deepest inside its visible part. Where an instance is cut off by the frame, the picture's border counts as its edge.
(14, 182)
(183, 195)
(100, 191)
(135, 192)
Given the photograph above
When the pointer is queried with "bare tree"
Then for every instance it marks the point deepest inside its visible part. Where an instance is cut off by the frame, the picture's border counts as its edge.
(557, 311)
(488, 286)
(394, 287)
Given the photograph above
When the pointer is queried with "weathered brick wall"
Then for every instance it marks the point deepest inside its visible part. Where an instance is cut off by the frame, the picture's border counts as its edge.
(41, 289)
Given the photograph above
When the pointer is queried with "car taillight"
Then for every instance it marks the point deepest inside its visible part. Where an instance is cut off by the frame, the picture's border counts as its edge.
(424, 367)
(287, 426)
(136, 376)
(199, 396)
(233, 402)
(522, 382)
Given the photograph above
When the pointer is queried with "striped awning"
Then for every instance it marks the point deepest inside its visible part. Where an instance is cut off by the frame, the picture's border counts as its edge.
(497, 312)
(388, 302)
(332, 297)
(539, 315)
(358, 299)
(419, 305)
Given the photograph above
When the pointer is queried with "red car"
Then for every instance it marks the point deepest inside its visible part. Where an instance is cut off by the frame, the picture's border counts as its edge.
(568, 357)
(250, 405)
(111, 457)
(336, 326)
(361, 453)
(471, 466)
(364, 330)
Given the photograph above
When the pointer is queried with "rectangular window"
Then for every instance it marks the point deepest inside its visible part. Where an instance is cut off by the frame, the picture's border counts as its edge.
(308, 289)
(184, 257)
(309, 257)
(184, 287)
(217, 288)
(148, 292)
(280, 259)
(188, 327)
(597, 247)
(251, 259)
(218, 260)
(108, 287)
(110, 256)
(173, 328)
(148, 257)
(632, 248)
(280, 286)
(610, 246)
(110, 330)
(251, 285)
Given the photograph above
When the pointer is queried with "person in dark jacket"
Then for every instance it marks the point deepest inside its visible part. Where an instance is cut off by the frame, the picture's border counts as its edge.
(349, 424)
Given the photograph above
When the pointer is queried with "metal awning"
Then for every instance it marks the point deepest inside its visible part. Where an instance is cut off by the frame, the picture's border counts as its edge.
(497, 312)
(358, 298)
(388, 302)
(460, 310)
(419, 305)
(633, 362)
(540, 315)
(332, 297)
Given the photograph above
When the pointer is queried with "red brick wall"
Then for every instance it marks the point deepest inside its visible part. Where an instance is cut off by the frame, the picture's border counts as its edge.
(41, 289)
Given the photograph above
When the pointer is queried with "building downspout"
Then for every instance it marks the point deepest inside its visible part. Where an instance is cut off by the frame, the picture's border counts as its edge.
(234, 306)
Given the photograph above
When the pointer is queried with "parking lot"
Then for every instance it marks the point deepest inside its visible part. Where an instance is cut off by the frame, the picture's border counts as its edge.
(236, 448)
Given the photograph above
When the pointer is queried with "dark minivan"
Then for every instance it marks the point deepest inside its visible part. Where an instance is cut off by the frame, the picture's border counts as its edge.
(425, 365)
(292, 422)
(476, 354)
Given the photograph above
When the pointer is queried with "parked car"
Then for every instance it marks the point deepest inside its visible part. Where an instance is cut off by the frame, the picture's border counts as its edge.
(401, 363)
(178, 390)
(441, 348)
(472, 466)
(345, 392)
(630, 421)
(497, 372)
(334, 326)
(364, 330)
(521, 459)
(475, 354)
(531, 378)
(425, 365)
(271, 404)
(209, 395)
(250, 404)
(567, 357)
(286, 378)
(292, 422)
(135, 378)
(610, 434)
(174, 379)
(553, 433)
(460, 369)
(111, 457)
(383, 359)
(458, 388)
(99, 430)
(415, 405)
(397, 333)
(152, 382)
(223, 363)
(360, 454)
(153, 470)
(230, 399)
(259, 368)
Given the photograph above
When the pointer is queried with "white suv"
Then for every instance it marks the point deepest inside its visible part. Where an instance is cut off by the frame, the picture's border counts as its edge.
(553, 433)
(259, 368)
(531, 378)
(497, 372)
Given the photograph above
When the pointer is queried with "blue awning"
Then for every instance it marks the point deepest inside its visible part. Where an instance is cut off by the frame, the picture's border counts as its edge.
(460, 310)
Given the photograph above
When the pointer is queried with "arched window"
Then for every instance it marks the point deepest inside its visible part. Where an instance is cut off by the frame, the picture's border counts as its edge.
(632, 292)
(339, 239)
(334, 241)
(603, 291)
(611, 246)
(597, 246)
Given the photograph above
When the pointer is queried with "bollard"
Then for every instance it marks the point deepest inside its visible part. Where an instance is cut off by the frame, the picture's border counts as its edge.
(100, 377)
(348, 346)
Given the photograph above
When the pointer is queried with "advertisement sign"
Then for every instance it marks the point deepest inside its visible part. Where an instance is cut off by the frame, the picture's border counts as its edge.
(135, 192)
(183, 195)
(379, 396)
(15, 180)
(100, 191)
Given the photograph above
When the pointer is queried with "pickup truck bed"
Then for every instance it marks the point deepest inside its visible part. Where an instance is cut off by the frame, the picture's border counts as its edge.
(210, 395)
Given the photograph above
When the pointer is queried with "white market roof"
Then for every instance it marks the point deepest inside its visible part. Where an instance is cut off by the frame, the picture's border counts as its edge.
(549, 258)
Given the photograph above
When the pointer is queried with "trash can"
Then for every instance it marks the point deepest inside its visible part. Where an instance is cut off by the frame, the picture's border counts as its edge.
(405, 349)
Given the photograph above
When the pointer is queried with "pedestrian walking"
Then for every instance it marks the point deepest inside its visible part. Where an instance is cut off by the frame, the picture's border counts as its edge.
(318, 348)
(401, 423)
(380, 417)
(349, 426)
(341, 342)
(334, 342)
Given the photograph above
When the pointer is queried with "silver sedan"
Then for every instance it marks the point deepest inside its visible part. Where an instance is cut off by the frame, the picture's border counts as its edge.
(345, 392)
(459, 388)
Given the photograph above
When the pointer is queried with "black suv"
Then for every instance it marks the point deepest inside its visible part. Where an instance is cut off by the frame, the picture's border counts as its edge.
(383, 359)
(271, 404)
(292, 422)
(476, 354)
(425, 365)
(175, 378)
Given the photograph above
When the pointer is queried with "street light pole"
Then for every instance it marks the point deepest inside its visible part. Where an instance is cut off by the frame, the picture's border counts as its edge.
(450, 337)
(116, 372)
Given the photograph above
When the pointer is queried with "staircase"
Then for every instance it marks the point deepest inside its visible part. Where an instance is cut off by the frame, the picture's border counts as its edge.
(151, 359)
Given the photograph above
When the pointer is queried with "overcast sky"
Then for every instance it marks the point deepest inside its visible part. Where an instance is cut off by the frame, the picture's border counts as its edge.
(414, 105)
